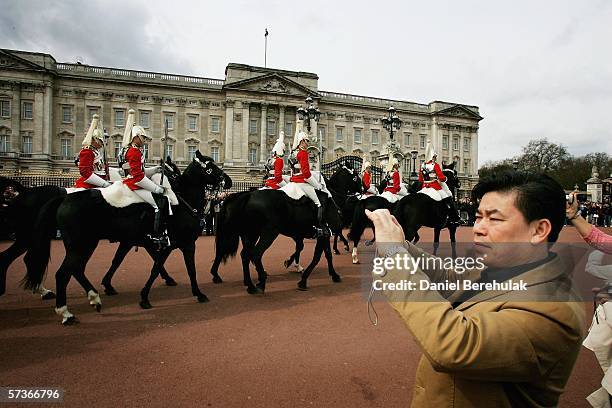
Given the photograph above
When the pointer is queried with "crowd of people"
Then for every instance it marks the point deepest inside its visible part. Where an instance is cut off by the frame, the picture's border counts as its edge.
(596, 213)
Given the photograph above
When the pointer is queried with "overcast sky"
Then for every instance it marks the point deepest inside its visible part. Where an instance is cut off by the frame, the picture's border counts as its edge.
(535, 68)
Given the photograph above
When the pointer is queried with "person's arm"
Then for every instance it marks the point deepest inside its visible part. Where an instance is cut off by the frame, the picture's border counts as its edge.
(278, 170)
(134, 159)
(304, 165)
(86, 162)
(366, 180)
(439, 173)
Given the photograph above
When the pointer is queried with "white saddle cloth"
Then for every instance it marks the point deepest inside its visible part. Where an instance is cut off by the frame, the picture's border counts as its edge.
(390, 197)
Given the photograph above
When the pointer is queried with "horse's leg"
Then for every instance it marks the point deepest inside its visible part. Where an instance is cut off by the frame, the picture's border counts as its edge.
(120, 254)
(189, 257)
(92, 293)
(162, 271)
(436, 243)
(214, 269)
(336, 244)
(6, 258)
(287, 263)
(247, 246)
(452, 230)
(159, 259)
(265, 240)
(330, 263)
(299, 247)
(62, 277)
(303, 283)
(344, 241)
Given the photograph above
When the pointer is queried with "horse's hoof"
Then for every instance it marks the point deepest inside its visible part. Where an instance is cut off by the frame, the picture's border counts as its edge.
(98, 307)
(302, 286)
(336, 252)
(217, 279)
(110, 291)
(336, 278)
(48, 296)
(355, 260)
(254, 291)
(203, 298)
(145, 304)
(171, 282)
(286, 264)
(70, 321)
(262, 287)
(346, 248)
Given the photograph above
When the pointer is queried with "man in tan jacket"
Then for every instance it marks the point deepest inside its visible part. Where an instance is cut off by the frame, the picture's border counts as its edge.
(495, 348)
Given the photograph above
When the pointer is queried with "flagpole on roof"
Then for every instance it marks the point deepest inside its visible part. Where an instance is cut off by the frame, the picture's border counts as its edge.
(266, 49)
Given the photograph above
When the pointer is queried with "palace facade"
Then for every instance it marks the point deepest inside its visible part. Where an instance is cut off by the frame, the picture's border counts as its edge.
(46, 107)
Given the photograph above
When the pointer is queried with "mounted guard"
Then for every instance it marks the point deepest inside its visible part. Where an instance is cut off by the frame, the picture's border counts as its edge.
(434, 183)
(138, 178)
(394, 186)
(275, 164)
(368, 188)
(91, 163)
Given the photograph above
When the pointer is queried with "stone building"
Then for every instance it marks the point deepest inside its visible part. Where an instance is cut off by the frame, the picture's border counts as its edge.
(46, 107)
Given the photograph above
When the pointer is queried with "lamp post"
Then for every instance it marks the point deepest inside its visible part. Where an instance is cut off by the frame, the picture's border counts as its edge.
(311, 112)
(515, 165)
(391, 121)
(414, 154)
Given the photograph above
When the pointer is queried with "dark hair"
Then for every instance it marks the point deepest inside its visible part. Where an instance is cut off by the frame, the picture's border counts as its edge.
(538, 195)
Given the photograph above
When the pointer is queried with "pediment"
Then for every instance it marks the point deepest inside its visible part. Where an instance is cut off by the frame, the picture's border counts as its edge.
(273, 83)
(459, 111)
(9, 60)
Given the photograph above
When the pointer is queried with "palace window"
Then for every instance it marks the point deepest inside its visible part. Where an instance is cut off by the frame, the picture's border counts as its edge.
(455, 143)
(357, 136)
(117, 149)
(27, 110)
(214, 153)
(252, 155)
(339, 135)
(5, 143)
(406, 139)
(289, 129)
(466, 166)
(119, 118)
(26, 144)
(215, 125)
(5, 109)
(90, 113)
(66, 114)
(170, 151)
(445, 142)
(169, 118)
(145, 117)
(466, 144)
(191, 151)
(423, 140)
(271, 128)
(66, 148)
(253, 126)
(322, 133)
(375, 137)
(193, 122)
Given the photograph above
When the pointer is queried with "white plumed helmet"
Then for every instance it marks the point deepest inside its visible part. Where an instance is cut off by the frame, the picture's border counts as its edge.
(95, 131)
(429, 151)
(132, 129)
(279, 146)
(300, 134)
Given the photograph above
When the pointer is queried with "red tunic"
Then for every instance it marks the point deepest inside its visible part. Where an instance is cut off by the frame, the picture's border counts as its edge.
(394, 184)
(304, 173)
(135, 160)
(86, 167)
(435, 182)
(273, 181)
(367, 178)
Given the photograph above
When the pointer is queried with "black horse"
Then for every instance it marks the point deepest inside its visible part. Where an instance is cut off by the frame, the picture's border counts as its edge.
(173, 173)
(130, 224)
(418, 210)
(257, 218)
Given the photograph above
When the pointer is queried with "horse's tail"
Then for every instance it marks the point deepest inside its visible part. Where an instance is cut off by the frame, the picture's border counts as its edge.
(359, 223)
(37, 258)
(227, 235)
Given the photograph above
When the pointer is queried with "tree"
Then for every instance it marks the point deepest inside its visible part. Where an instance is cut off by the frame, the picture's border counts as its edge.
(543, 155)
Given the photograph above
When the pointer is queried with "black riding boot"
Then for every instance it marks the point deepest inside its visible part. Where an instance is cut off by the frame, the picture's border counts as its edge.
(321, 230)
(453, 214)
(160, 235)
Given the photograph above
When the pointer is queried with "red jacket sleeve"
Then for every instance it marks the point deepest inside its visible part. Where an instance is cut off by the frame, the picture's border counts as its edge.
(134, 159)
(366, 180)
(439, 173)
(396, 182)
(304, 164)
(421, 178)
(86, 161)
(278, 170)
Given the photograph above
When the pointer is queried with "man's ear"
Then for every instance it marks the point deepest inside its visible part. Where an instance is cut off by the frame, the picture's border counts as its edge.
(540, 229)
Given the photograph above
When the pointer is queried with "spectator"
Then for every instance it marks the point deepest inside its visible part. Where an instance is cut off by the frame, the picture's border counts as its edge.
(593, 236)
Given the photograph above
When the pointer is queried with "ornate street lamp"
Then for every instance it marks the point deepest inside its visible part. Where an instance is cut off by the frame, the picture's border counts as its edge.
(391, 121)
(414, 154)
(309, 113)
(515, 165)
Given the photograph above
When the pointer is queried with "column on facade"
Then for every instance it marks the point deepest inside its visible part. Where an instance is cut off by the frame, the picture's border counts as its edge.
(16, 118)
(461, 150)
(157, 127)
(281, 119)
(229, 130)
(180, 128)
(245, 131)
(48, 119)
(38, 143)
(474, 152)
(435, 137)
(262, 141)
